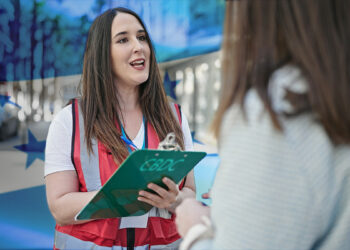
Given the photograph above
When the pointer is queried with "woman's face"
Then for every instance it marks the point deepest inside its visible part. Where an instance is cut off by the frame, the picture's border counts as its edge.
(130, 51)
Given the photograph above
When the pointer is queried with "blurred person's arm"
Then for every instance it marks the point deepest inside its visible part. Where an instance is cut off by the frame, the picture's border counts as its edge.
(191, 218)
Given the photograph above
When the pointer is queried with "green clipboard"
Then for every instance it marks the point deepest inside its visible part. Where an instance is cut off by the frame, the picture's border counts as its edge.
(118, 196)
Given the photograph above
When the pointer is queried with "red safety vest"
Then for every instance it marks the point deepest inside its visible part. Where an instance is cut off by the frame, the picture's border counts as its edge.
(105, 233)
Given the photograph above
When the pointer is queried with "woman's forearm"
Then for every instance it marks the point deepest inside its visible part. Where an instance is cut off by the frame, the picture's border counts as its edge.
(65, 208)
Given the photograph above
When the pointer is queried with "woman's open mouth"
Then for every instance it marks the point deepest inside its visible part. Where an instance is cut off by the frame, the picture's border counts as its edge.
(138, 64)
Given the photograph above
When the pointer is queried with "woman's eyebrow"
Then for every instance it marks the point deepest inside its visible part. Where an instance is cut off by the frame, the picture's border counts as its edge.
(120, 33)
(125, 32)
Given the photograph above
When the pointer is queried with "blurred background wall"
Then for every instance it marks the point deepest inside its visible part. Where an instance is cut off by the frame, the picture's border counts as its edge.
(41, 51)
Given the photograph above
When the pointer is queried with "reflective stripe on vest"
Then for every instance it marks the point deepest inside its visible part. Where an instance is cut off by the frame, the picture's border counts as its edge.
(89, 162)
(159, 212)
(65, 241)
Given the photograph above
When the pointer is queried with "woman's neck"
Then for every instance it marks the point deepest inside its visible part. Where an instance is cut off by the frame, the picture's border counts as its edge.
(128, 98)
(131, 114)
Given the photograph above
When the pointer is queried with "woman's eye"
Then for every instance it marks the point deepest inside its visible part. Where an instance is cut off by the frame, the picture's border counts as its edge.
(123, 40)
(142, 38)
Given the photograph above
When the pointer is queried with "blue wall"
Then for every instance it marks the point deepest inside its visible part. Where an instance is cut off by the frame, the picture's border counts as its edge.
(41, 39)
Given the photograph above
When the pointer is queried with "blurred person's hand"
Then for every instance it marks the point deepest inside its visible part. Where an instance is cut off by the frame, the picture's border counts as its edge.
(206, 195)
(188, 214)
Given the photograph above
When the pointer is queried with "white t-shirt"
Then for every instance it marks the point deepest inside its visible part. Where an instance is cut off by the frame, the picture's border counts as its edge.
(59, 141)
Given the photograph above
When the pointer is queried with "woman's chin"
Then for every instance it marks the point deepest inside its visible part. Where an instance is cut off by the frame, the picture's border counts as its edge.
(141, 80)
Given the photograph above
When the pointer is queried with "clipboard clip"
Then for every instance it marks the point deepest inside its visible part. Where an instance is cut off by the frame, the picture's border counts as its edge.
(169, 143)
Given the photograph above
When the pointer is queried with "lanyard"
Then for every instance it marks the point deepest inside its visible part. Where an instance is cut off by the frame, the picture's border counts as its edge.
(129, 144)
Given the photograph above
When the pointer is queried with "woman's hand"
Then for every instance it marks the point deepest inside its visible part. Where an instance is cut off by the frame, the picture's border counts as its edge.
(163, 198)
(188, 214)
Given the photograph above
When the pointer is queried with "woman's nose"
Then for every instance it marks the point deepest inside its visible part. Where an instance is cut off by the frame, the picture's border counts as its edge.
(137, 46)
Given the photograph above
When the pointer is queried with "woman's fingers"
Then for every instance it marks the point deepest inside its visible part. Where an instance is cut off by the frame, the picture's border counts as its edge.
(171, 185)
(149, 201)
(154, 199)
(163, 198)
(159, 190)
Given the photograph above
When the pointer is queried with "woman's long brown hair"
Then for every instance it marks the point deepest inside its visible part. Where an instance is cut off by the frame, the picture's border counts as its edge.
(100, 105)
(260, 36)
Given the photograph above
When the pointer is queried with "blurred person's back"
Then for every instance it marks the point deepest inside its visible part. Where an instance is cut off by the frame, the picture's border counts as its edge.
(284, 127)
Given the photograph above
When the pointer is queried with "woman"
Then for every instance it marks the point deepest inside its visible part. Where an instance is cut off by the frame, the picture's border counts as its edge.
(122, 99)
(284, 127)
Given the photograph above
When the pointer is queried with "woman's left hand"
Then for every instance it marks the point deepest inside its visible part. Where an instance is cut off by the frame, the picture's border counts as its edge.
(163, 198)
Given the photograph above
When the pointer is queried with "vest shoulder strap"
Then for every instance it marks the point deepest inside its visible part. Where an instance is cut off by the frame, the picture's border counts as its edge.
(176, 108)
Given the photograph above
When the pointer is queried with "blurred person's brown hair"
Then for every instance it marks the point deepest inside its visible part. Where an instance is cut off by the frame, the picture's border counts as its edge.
(262, 35)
